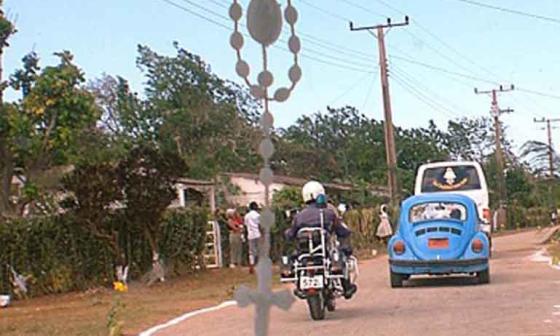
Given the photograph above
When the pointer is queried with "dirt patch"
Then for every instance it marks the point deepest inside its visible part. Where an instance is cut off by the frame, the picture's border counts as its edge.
(86, 313)
(504, 233)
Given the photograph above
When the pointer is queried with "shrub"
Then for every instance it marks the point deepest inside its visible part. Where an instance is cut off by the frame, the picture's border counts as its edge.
(61, 256)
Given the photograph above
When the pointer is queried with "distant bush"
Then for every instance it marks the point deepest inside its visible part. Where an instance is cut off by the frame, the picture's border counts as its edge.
(521, 217)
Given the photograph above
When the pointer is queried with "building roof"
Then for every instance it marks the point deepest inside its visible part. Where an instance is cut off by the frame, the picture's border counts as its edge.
(193, 182)
(292, 181)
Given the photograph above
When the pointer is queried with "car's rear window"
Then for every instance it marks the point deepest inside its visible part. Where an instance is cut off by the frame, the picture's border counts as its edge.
(453, 178)
(437, 211)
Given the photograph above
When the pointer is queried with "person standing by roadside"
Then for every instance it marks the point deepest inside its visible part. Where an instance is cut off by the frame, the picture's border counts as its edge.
(235, 226)
(554, 217)
(384, 229)
(252, 224)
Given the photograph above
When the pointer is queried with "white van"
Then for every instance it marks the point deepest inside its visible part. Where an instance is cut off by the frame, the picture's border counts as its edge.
(459, 177)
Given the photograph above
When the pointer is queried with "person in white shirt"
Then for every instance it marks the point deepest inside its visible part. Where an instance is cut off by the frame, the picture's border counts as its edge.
(252, 224)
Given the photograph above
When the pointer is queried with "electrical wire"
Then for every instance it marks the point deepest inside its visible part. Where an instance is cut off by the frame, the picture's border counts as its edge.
(471, 62)
(348, 65)
(410, 88)
(538, 93)
(425, 88)
(349, 89)
(352, 66)
(308, 49)
(326, 12)
(360, 7)
(422, 27)
(511, 11)
(440, 69)
(368, 93)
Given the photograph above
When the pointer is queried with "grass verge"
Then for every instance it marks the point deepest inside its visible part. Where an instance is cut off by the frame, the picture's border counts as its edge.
(86, 313)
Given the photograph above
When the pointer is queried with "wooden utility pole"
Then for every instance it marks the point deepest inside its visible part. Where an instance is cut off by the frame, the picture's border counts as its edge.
(500, 178)
(390, 148)
(550, 149)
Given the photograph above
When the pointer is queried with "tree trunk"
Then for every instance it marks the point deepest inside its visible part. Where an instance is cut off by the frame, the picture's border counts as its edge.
(6, 174)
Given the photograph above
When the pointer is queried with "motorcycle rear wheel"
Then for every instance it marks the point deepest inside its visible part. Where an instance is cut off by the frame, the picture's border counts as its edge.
(316, 304)
(331, 304)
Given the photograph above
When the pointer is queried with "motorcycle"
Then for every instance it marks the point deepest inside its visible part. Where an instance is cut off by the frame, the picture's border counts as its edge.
(318, 269)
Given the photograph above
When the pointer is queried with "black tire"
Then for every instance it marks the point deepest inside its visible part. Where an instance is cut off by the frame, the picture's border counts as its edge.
(316, 304)
(331, 304)
(483, 277)
(397, 279)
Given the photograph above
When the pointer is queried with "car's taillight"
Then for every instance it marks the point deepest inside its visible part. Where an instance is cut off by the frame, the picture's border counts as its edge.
(399, 247)
(487, 215)
(477, 246)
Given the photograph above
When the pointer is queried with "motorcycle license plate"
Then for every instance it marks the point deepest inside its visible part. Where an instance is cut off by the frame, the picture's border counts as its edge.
(311, 282)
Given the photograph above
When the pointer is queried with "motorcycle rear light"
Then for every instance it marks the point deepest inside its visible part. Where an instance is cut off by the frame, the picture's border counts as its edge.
(399, 247)
(477, 246)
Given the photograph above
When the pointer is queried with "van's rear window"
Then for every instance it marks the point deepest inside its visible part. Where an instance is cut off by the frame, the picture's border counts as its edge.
(453, 178)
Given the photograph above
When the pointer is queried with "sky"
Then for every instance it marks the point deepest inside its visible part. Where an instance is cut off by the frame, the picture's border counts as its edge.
(449, 48)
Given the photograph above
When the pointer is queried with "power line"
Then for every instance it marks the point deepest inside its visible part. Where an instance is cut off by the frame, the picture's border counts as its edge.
(319, 41)
(350, 88)
(440, 69)
(420, 96)
(440, 41)
(368, 93)
(433, 94)
(539, 93)
(308, 49)
(200, 16)
(220, 4)
(324, 11)
(511, 11)
(360, 7)
(357, 67)
(316, 40)
(352, 66)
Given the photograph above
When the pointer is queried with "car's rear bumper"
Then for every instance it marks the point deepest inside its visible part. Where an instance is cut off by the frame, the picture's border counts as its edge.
(438, 266)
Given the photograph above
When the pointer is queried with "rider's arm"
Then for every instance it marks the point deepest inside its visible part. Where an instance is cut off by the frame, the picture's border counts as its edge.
(341, 230)
(291, 233)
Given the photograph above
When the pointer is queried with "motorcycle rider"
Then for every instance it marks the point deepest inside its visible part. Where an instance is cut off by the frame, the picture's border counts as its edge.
(314, 196)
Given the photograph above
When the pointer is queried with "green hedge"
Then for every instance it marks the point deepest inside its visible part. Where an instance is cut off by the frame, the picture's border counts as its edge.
(520, 217)
(60, 256)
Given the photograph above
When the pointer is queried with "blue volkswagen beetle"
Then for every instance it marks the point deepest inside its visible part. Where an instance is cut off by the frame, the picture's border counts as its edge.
(438, 234)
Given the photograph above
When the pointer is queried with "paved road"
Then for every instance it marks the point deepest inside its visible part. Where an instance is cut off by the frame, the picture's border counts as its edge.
(520, 300)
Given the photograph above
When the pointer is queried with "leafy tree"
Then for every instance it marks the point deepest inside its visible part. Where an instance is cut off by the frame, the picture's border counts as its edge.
(7, 29)
(44, 126)
(147, 177)
(470, 139)
(92, 204)
(204, 119)
(537, 155)
(415, 147)
(519, 186)
(345, 145)
(340, 144)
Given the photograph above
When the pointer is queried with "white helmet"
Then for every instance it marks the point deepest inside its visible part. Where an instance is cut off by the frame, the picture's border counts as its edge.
(311, 190)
